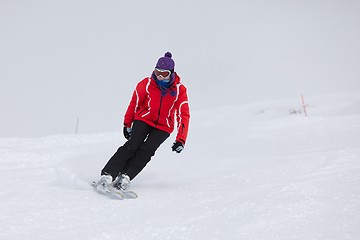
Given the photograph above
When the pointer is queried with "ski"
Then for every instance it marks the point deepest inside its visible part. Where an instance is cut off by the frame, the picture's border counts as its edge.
(114, 193)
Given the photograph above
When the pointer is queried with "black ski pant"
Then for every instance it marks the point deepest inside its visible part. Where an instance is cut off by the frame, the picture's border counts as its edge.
(133, 156)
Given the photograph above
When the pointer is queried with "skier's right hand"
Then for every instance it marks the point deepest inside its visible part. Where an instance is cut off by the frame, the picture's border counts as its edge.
(127, 132)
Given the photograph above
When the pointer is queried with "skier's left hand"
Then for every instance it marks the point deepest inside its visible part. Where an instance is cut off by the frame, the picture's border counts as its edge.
(178, 147)
(127, 132)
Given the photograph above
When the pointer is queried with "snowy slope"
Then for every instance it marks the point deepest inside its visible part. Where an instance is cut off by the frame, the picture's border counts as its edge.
(251, 171)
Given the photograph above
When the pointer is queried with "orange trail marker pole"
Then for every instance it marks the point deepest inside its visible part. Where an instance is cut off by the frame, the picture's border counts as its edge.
(304, 106)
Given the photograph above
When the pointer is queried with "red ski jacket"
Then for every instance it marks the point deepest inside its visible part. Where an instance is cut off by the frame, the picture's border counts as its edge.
(158, 107)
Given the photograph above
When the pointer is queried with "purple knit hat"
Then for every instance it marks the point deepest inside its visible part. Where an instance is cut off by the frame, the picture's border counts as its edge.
(166, 63)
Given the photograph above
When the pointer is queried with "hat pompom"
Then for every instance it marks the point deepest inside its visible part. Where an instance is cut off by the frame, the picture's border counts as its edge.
(168, 54)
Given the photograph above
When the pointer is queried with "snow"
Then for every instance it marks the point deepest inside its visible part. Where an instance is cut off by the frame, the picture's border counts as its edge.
(249, 171)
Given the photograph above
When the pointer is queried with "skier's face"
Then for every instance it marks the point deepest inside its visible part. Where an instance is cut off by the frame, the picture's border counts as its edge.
(162, 74)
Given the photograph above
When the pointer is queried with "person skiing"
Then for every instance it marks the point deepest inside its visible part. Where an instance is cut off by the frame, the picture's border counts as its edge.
(148, 122)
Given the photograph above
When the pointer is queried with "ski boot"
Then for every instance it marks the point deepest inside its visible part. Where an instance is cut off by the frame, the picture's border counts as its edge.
(104, 183)
(122, 182)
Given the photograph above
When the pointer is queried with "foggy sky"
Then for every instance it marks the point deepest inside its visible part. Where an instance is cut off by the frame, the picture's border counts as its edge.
(63, 60)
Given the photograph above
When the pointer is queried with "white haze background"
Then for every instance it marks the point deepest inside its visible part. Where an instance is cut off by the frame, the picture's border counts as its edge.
(254, 167)
(63, 60)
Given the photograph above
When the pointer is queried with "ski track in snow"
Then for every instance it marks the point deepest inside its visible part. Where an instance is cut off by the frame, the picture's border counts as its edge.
(264, 174)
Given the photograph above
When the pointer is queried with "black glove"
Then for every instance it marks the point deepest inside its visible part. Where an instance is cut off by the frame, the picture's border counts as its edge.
(127, 132)
(178, 146)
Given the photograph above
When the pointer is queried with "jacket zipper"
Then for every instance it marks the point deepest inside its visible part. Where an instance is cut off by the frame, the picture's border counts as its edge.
(159, 110)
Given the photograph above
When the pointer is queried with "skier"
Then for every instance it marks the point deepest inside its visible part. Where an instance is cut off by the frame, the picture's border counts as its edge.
(148, 122)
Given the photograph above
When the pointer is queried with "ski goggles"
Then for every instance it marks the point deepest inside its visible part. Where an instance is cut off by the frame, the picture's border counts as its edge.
(161, 72)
